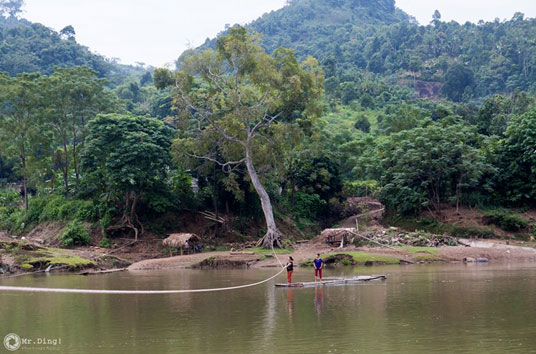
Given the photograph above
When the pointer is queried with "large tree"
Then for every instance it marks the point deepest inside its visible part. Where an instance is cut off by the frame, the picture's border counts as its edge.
(517, 160)
(237, 99)
(125, 157)
(20, 100)
(423, 168)
(73, 96)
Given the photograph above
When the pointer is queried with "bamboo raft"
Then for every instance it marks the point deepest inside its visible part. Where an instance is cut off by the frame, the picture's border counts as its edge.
(332, 281)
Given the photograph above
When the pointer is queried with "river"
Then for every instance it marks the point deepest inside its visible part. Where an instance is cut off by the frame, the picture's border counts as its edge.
(478, 308)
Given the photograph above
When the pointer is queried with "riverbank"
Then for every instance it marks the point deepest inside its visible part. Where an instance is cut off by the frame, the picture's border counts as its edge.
(19, 256)
(494, 251)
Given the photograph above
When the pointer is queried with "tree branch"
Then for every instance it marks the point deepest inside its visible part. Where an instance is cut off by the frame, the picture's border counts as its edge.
(205, 115)
(226, 167)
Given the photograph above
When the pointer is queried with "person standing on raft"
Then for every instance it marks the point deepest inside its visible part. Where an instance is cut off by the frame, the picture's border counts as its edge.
(319, 264)
(290, 269)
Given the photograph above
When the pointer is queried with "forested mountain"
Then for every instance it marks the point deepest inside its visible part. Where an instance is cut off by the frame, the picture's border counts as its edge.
(33, 47)
(360, 41)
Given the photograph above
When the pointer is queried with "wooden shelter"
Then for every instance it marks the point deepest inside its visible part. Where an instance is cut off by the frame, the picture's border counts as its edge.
(178, 241)
(337, 237)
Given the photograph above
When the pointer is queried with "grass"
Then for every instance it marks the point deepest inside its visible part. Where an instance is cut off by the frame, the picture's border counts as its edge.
(40, 257)
(428, 258)
(72, 261)
(358, 258)
(266, 251)
(416, 249)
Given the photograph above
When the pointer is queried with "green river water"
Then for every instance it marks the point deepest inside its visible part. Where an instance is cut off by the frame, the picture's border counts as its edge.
(480, 308)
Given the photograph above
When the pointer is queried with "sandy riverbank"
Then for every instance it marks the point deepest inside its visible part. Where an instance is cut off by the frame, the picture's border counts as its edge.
(494, 251)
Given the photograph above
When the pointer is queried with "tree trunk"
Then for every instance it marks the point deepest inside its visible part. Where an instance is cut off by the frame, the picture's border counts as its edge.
(24, 179)
(23, 162)
(273, 235)
(293, 189)
(133, 215)
(75, 161)
(66, 167)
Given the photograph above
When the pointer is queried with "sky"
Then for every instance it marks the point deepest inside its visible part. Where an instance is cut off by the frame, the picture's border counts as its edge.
(156, 32)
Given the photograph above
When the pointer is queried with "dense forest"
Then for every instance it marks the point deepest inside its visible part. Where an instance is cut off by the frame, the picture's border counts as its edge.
(360, 43)
(32, 47)
(271, 126)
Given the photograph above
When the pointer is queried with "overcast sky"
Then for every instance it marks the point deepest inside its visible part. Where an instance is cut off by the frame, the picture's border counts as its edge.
(155, 32)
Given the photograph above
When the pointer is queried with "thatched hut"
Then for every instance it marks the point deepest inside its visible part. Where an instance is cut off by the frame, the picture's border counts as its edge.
(336, 237)
(178, 241)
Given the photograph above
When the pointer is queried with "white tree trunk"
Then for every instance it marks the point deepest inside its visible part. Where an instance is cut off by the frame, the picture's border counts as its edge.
(273, 235)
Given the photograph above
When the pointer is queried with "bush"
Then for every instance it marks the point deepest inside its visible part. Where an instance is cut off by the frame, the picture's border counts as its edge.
(429, 222)
(362, 124)
(361, 188)
(12, 219)
(308, 206)
(59, 208)
(470, 232)
(75, 234)
(507, 222)
(105, 243)
(9, 199)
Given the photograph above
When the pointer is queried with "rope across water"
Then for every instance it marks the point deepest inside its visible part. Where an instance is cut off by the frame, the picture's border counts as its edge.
(136, 292)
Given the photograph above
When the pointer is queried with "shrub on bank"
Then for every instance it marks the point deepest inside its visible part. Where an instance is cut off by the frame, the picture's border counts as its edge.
(507, 222)
(75, 234)
(49, 208)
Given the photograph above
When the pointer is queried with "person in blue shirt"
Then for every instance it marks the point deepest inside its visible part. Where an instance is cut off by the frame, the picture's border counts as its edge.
(319, 264)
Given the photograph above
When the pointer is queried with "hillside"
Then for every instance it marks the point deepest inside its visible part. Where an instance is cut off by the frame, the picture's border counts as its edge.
(361, 41)
(33, 47)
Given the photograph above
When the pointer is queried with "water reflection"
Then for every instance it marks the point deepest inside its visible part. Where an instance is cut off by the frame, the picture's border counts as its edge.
(290, 304)
(319, 300)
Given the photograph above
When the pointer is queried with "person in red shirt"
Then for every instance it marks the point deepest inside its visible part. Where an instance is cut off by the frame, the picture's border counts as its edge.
(290, 269)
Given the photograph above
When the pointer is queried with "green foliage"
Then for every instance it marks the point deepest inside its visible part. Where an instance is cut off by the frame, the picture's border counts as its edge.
(497, 112)
(12, 219)
(162, 78)
(126, 158)
(264, 251)
(427, 221)
(507, 222)
(517, 162)
(458, 79)
(125, 153)
(320, 176)
(369, 188)
(9, 199)
(363, 258)
(50, 208)
(308, 206)
(56, 208)
(359, 40)
(424, 224)
(105, 242)
(75, 234)
(424, 167)
(32, 47)
(362, 124)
